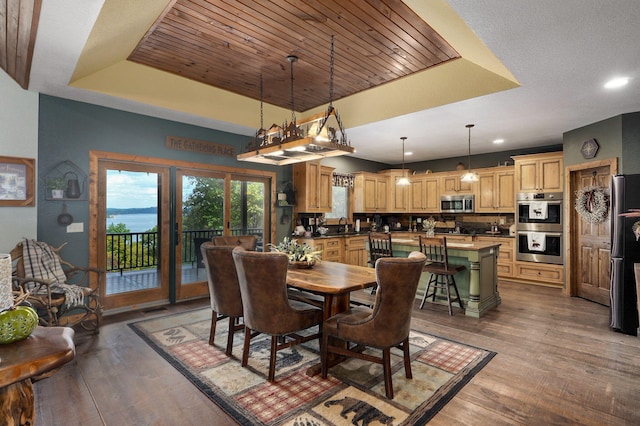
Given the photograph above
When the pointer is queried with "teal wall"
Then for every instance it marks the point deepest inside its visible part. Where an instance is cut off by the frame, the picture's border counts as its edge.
(479, 161)
(608, 134)
(68, 130)
(631, 143)
(618, 137)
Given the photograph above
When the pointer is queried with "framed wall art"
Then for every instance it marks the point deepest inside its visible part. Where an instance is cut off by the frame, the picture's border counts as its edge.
(17, 182)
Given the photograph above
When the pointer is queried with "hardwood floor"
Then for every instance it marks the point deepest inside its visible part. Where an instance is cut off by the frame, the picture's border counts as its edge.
(557, 363)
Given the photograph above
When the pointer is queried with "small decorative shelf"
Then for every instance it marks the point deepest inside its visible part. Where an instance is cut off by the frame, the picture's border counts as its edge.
(67, 178)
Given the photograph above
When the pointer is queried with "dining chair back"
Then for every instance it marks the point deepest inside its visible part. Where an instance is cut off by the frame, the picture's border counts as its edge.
(379, 246)
(248, 242)
(384, 326)
(224, 291)
(442, 273)
(267, 309)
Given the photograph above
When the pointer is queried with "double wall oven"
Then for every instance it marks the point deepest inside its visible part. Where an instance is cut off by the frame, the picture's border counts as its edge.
(539, 227)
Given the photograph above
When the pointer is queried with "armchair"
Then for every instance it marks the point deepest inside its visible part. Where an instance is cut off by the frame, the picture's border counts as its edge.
(56, 287)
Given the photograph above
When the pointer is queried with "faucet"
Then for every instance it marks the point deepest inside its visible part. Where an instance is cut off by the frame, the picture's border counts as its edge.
(346, 226)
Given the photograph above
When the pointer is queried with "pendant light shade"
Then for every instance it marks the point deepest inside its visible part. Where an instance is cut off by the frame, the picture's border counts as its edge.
(404, 180)
(470, 176)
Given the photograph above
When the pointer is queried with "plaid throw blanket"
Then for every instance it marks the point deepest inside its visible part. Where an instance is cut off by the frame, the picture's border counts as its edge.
(41, 262)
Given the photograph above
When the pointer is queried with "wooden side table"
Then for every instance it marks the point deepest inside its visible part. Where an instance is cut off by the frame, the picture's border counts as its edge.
(42, 353)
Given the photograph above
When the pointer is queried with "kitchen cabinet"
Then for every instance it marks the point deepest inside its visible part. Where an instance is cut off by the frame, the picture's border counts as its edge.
(539, 172)
(355, 251)
(506, 254)
(398, 195)
(424, 196)
(544, 274)
(313, 184)
(450, 184)
(370, 193)
(330, 248)
(496, 190)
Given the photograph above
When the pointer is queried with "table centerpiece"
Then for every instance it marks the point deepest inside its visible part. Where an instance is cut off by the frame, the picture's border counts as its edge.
(301, 256)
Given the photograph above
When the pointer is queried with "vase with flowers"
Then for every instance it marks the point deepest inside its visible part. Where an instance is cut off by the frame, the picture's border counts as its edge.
(429, 225)
(300, 255)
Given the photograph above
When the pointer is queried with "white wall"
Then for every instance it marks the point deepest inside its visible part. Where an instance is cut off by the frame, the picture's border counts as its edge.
(18, 138)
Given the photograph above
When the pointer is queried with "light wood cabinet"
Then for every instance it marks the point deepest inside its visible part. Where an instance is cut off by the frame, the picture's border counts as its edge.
(539, 172)
(370, 193)
(424, 196)
(496, 190)
(544, 274)
(450, 183)
(506, 254)
(313, 184)
(398, 196)
(355, 251)
(331, 248)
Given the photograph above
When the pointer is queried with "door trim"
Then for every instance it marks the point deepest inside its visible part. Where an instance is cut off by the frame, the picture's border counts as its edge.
(571, 286)
(96, 156)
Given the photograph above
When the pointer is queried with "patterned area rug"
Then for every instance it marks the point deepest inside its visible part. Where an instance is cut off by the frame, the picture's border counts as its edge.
(353, 393)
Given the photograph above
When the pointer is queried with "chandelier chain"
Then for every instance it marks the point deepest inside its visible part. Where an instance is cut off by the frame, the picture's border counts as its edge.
(331, 74)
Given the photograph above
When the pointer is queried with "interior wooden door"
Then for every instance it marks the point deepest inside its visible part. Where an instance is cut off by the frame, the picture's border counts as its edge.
(593, 244)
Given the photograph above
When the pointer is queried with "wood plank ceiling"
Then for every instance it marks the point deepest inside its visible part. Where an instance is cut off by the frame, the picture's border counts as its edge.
(229, 44)
(18, 28)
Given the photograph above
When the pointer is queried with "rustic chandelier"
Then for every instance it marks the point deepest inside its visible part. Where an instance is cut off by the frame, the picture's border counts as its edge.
(316, 137)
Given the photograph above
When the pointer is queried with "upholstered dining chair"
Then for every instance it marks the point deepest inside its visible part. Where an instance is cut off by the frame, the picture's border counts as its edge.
(384, 326)
(248, 242)
(442, 273)
(224, 291)
(263, 285)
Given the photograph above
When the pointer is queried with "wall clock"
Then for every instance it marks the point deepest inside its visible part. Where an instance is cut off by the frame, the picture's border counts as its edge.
(589, 149)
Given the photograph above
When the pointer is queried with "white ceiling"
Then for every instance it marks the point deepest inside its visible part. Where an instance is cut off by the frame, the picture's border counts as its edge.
(561, 52)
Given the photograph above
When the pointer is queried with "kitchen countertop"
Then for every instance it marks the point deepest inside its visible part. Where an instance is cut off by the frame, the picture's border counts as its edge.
(403, 233)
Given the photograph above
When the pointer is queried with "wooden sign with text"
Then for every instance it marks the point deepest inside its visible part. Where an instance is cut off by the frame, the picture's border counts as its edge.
(202, 147)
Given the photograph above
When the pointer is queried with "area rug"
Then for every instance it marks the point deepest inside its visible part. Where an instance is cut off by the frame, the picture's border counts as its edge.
(352, 394)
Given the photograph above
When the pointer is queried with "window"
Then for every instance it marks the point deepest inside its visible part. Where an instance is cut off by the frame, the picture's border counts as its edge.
(340, 203)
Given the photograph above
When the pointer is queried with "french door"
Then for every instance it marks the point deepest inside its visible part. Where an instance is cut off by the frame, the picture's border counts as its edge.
(133, 233)
(149, 219)
(211, 203)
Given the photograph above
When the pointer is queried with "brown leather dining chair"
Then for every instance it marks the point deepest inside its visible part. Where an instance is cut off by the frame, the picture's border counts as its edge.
(224, 291)
(441, 278)
(248, 242)
(384, 326)
(263, 285)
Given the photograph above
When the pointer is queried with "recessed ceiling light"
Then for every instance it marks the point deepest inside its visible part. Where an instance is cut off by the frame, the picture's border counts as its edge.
(498, 141)
(408, 153)
(614, 83)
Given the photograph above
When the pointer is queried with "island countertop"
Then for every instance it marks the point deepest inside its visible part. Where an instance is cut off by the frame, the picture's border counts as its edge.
(477, 283)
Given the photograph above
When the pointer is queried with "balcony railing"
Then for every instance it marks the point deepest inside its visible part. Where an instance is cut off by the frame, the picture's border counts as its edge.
(139, 250)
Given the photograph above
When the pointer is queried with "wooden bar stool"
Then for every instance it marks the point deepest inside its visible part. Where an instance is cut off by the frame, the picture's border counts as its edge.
(441, 278)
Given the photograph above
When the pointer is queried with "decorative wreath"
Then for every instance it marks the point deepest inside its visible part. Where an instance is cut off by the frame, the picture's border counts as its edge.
(592, 203)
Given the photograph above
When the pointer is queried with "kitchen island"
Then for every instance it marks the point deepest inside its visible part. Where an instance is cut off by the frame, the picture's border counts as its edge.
(477, 284)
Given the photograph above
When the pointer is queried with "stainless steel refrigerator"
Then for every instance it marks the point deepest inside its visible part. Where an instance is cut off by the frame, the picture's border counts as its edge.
(625, 251)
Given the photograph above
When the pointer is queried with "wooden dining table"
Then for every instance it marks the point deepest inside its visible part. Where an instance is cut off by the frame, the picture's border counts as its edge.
(334, 282)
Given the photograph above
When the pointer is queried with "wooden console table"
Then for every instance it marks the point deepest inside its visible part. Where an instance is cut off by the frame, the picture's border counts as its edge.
(38, 356)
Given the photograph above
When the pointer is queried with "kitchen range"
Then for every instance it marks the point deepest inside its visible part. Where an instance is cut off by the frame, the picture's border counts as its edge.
(539, 227)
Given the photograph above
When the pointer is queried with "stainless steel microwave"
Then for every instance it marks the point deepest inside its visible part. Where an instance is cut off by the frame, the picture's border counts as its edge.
(457, 203)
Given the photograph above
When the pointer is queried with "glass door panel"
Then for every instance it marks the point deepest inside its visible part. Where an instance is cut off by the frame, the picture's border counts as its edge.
(249, 207)
(132, 233)
(200, 201)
